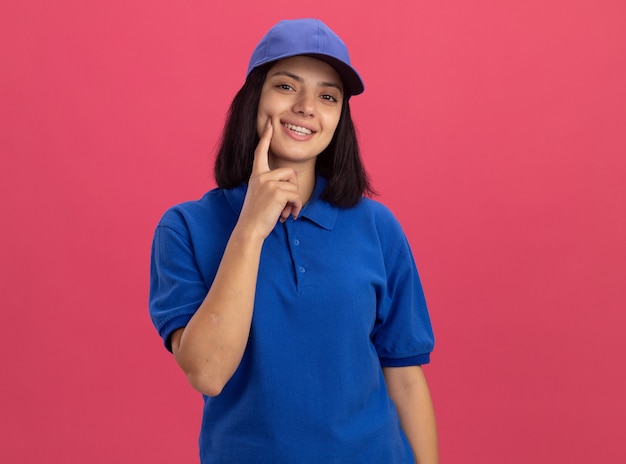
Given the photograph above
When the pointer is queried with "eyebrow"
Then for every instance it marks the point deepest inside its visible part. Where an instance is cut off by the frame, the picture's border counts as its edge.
(299, 79)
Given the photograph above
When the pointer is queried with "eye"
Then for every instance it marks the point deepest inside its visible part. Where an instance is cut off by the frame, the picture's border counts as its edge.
(284, 87)
(329, 98)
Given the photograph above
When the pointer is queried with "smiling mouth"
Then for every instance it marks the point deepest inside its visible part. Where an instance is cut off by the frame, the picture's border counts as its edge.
(298, 129)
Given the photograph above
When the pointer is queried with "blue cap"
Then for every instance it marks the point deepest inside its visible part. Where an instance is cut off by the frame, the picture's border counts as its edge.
(307, 37)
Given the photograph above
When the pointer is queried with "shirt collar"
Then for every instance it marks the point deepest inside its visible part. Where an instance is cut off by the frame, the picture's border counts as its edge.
(320, 211)
(317, 210)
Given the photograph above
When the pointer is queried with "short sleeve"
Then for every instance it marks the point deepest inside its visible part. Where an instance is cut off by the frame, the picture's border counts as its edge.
(403, 334)
(176, 285)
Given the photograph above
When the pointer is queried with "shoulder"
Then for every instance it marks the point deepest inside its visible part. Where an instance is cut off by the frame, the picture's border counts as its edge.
(197, 228)
(375, 207)
(372, 224)
(217, 206)
(379, 215)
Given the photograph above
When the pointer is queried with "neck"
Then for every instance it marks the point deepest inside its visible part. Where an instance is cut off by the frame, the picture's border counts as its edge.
(306, 183)
(306, 178)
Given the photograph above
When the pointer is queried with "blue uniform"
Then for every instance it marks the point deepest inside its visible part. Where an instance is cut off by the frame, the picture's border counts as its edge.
(338, 296)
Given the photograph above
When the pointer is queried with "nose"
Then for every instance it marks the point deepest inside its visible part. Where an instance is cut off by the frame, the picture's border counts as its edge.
(305, 105)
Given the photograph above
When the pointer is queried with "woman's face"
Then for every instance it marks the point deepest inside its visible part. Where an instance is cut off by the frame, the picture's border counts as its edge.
(303, 97)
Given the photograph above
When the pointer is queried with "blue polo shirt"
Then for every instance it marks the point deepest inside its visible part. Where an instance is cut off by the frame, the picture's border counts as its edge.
(338, 296)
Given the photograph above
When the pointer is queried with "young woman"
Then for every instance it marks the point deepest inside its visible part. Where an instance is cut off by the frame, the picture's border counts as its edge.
(291, 300)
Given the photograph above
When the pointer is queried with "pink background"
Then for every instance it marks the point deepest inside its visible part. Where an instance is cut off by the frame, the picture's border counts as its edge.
(495, 130)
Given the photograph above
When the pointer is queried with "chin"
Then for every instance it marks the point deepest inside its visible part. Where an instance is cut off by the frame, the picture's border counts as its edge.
(291, 154)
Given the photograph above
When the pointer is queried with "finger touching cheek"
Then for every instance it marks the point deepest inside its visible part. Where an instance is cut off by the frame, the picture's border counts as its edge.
(261, 121)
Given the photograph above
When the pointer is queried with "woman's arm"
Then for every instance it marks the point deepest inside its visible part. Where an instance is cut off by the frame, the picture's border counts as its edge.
(209, 349)
(211, 346)
(409, 391)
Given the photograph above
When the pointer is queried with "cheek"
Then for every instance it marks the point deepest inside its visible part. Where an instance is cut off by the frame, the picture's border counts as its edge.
(259, 124)
(261, 120)
(332, 124)
(263, 113)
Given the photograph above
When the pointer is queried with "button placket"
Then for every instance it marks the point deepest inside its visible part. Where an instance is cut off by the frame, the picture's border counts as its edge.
(294, 246)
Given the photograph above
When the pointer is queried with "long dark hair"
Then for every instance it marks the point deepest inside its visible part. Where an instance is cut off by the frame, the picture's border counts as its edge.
(340, 163)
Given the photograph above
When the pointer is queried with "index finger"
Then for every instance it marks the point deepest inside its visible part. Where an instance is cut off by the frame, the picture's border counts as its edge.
(261, 161)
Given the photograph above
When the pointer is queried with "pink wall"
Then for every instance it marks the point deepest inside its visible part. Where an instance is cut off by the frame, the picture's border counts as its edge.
(496, 131)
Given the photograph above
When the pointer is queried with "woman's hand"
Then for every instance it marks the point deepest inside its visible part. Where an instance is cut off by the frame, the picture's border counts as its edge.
(272, 194)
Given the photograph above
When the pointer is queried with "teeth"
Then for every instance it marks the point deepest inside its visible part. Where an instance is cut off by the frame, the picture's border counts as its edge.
(298, 129)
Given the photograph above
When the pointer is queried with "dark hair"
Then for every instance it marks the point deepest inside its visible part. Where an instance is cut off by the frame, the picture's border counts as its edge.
(340, 163)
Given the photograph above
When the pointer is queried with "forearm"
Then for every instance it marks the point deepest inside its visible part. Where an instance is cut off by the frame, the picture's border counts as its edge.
(409, 390)
(211, 346)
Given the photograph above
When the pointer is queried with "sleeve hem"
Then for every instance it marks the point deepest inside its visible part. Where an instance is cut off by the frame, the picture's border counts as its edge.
(172, 325)
(402, 362)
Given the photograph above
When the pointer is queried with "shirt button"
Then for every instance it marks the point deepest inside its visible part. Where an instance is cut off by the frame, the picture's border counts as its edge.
(296, 242)
(301, 269)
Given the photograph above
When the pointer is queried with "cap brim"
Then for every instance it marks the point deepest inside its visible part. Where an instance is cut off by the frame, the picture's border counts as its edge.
(351, 79)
